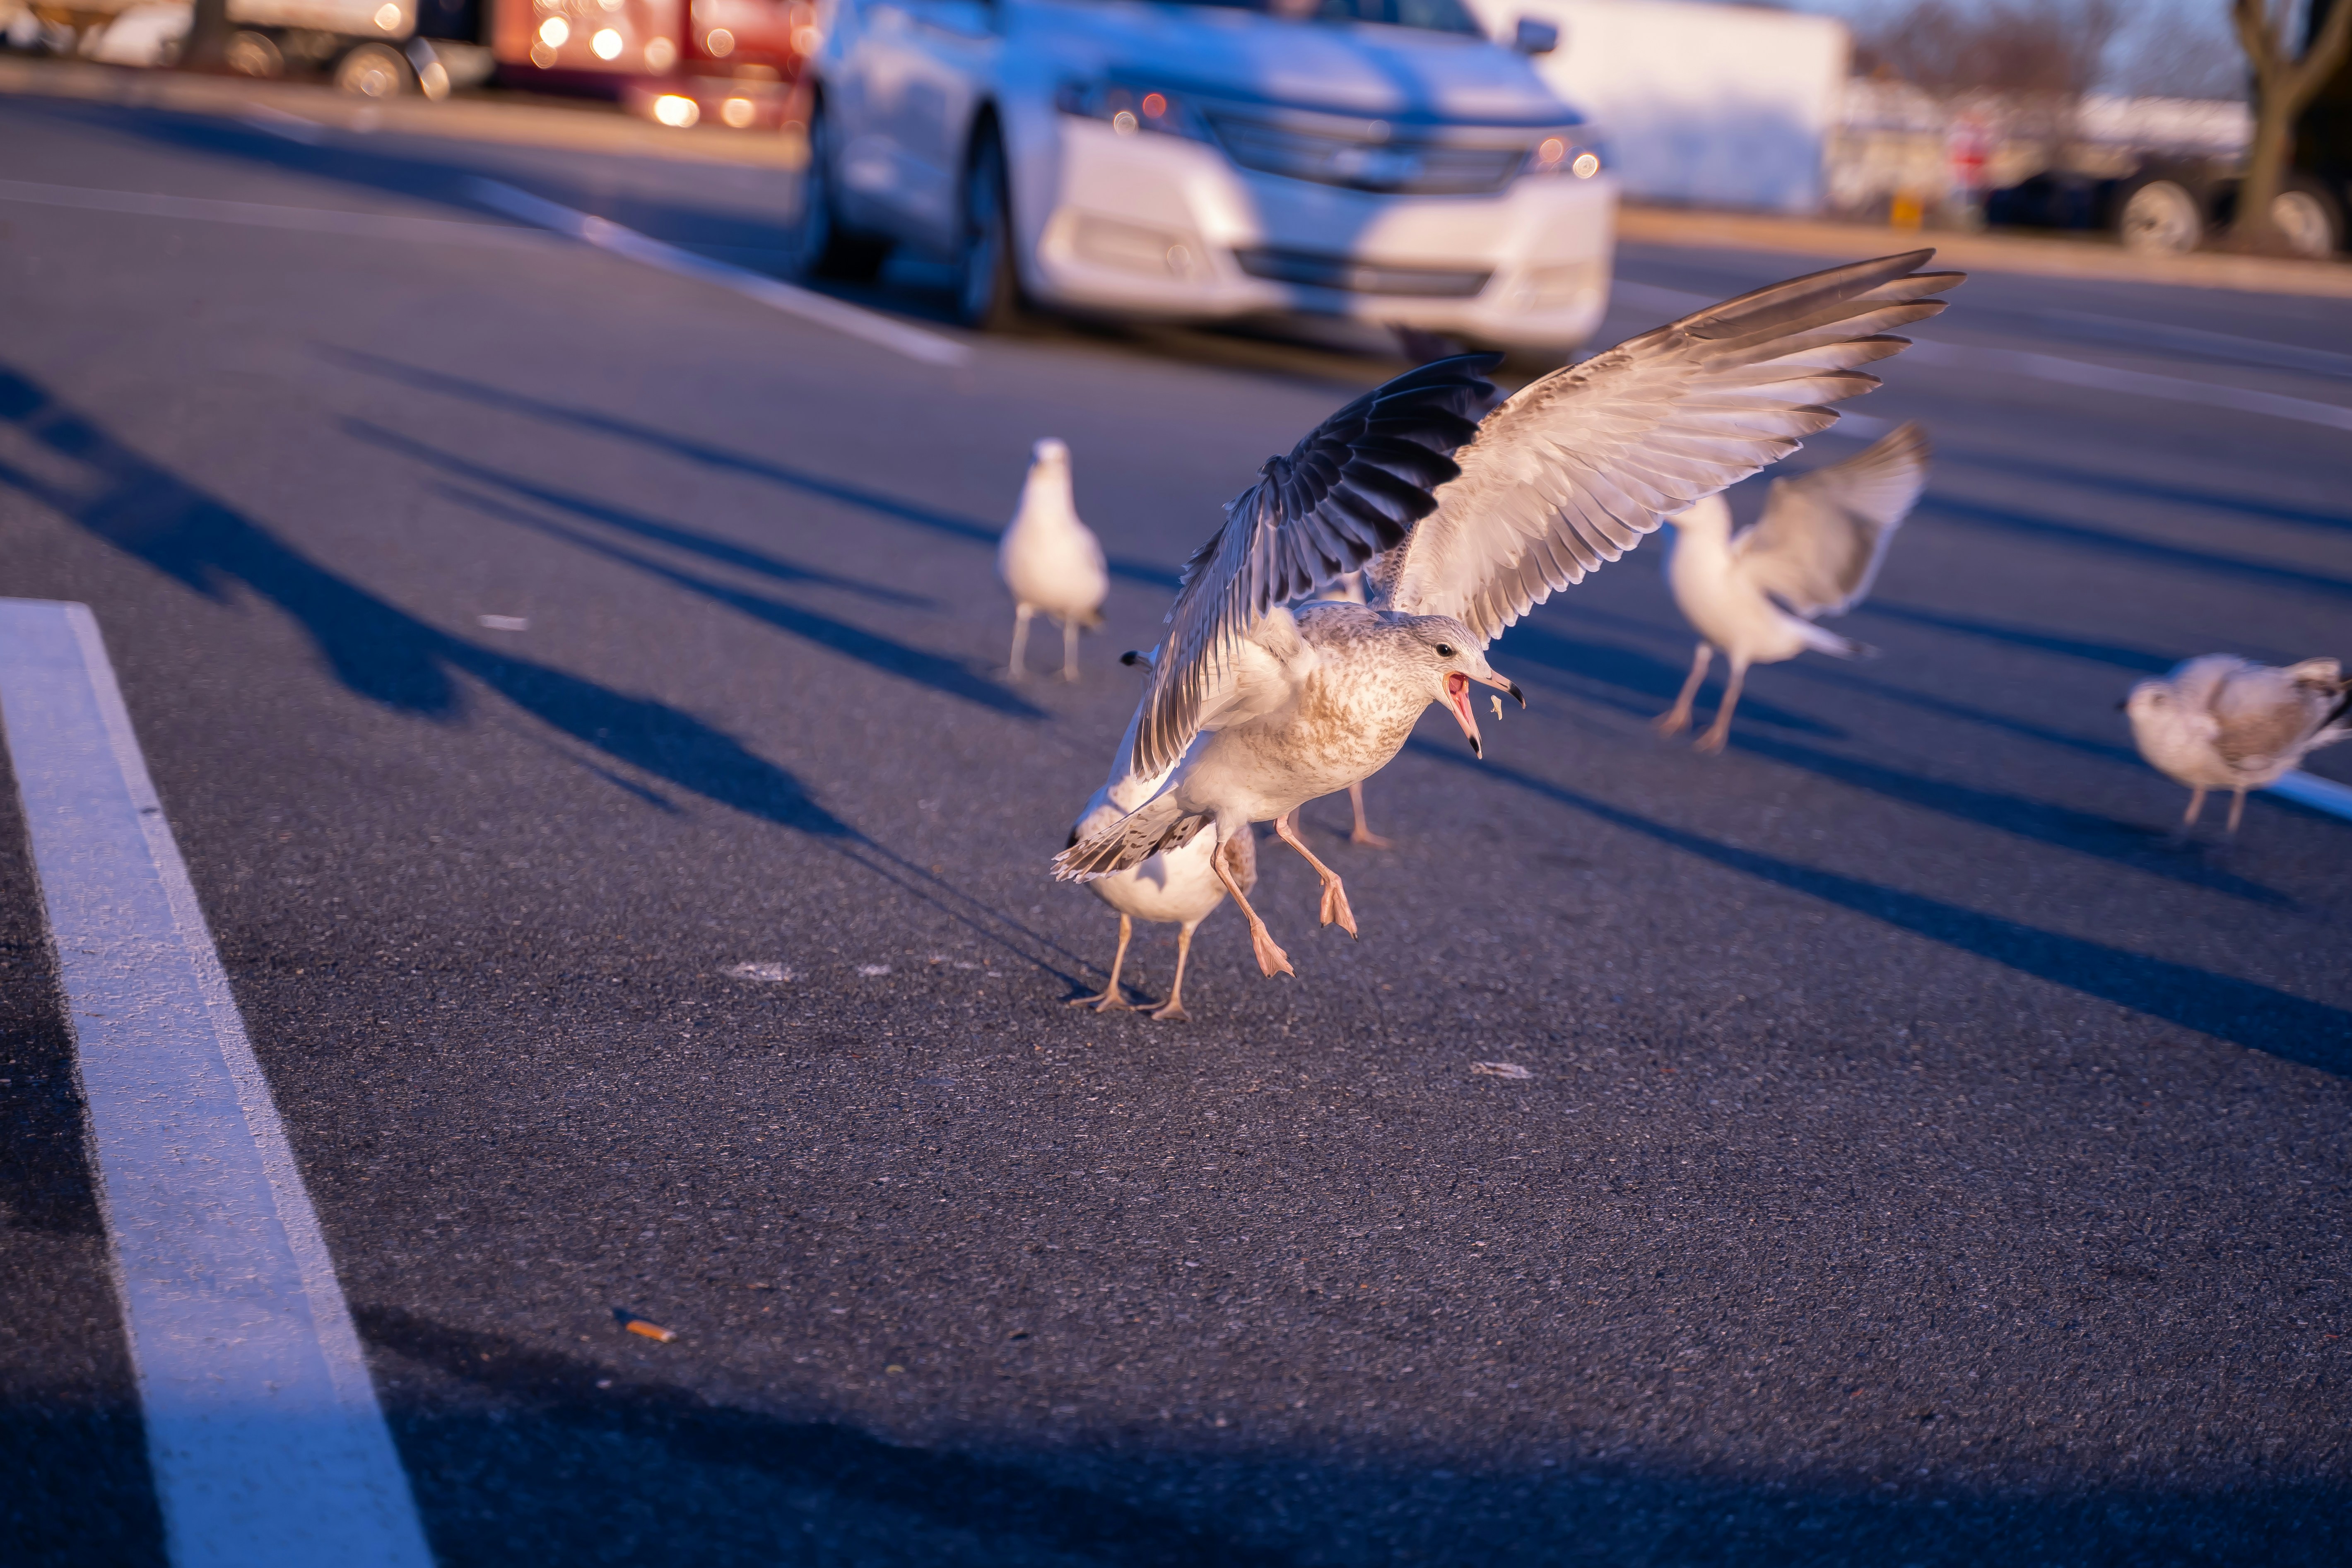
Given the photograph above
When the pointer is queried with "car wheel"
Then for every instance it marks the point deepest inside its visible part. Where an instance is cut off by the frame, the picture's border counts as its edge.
(2161, 218)
(819, 245)
(250, 53)
(988, 289)
(372, 70)
(2308, 220)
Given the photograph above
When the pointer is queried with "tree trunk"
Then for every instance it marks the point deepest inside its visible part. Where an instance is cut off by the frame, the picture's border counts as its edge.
(2283, 86)
(206, 46)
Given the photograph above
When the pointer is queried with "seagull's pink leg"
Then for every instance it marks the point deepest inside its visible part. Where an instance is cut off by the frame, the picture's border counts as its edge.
(1335, 895)
(2195, 809)
(1111, 1000)
(1720, 731)
(1363, 833)
(1173, 1011)
(1675, 720)
(1021, 613)
(1271, 960)
(2237, 811)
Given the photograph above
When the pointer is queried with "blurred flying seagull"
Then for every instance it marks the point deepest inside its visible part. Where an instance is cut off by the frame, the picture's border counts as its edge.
(1179, 887)
(1050, 560)
(2225, 722)
(1463, 527)
(1815, 551)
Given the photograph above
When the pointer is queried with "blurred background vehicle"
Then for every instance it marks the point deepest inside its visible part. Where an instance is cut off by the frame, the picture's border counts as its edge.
(1375, 159)
(365, 46)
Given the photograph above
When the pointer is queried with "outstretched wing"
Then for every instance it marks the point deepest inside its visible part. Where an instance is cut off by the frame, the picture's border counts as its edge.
(1577, 466)
(1818, 546)
(1351, 489)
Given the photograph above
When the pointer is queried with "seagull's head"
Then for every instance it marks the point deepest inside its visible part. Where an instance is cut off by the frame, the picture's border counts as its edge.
(1050, 451)
(2148, 700)
(1449, 652)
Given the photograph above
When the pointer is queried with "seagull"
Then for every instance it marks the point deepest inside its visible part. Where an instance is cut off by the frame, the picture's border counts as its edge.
(1050, 560)
(1463, 528)
(2225, 722)
(1815, 551)
(1179, 887)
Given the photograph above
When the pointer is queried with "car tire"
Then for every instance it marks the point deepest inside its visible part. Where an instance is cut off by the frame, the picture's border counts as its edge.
(2160, 217)
(988, 284)
(374, 71)
(248, 53)
(820, 246)
(2308, 219)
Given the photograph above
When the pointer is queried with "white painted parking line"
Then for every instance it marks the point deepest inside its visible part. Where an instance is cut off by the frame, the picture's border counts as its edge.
(263, 1432)
(823, 310)
(265, 214)
(2318, 794)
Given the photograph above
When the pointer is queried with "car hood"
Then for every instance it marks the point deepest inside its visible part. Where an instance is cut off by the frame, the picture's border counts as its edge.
(1403, 74)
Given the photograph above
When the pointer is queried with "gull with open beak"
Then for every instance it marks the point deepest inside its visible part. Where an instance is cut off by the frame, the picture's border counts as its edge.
(1464, 524)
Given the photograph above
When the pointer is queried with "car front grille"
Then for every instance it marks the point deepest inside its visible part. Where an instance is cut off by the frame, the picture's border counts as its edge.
(1367, 159)
(1317, 271)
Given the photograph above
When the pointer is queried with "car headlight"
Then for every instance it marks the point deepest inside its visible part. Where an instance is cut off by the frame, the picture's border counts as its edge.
(1576, 153)
(1128, 109)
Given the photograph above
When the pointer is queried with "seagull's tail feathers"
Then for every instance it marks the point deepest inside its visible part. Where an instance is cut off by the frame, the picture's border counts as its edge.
(1823, 640)
(1156, 826)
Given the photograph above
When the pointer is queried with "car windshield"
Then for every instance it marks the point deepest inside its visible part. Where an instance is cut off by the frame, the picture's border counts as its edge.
(1432, 16)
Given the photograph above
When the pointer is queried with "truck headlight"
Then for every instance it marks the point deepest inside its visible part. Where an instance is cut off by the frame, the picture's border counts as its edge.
(1128, 108)
(1576, 153)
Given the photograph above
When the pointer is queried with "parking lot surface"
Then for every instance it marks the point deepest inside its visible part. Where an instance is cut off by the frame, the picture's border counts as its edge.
(577, 691)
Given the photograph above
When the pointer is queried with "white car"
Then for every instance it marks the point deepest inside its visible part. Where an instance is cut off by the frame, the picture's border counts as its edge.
(1378, 159)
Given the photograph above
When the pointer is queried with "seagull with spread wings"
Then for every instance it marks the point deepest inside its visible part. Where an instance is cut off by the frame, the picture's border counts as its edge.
(1815, 551)
(1465, 527)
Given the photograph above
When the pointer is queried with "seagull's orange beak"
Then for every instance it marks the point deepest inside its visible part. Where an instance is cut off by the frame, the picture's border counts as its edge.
(1457, 697)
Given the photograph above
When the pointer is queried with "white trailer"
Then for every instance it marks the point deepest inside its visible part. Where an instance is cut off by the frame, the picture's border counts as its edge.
(1719, 106)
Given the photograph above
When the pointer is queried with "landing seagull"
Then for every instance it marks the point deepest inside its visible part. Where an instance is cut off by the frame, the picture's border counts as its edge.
(1755, 595)
(1464, 528)
(1049, 559)
(1180, 887)
(2225, 722)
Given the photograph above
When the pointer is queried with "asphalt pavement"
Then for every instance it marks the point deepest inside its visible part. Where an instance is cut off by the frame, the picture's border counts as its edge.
(577, 691)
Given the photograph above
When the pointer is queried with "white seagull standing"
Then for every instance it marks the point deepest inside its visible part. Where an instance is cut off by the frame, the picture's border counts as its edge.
(2225, 722)
(1050, 560)
(1814, 553)
(1180, 887)
(1263, 709)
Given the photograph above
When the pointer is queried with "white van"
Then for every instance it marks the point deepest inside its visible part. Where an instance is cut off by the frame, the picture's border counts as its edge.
(1379, 159)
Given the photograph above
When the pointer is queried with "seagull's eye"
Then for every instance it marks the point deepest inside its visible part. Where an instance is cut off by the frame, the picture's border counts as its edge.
(1444, 650)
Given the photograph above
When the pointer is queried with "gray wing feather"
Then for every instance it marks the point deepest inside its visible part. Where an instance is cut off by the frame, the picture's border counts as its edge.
(1577, 466)
(1353, 487)
(1818, 547)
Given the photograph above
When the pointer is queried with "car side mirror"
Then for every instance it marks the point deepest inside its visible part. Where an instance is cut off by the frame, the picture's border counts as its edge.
(1534, 37)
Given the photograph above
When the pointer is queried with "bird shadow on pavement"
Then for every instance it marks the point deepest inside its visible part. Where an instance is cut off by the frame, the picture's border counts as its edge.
(512, 1445)
(388, 656)
(1590, 664)
(377, 650)
(2132, 659)
(2152, 552)
(2293, 1029)
(2062, 827)
(946, 676)
(2113, 483)
(970, 529)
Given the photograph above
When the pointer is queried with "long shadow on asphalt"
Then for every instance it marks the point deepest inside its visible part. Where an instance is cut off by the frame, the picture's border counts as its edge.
(2203, 563)
(388, 656)
(524, 1451)
(378, 651)
(971, 529)
(2132, 659)
(946, 676)
(2108, 481)
(2290, 1027)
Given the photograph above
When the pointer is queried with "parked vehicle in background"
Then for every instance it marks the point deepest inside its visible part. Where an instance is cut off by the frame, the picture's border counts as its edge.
(2169, 205)
(366, 46)
(730, 62)
(1706, 105)
(1375, 159)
